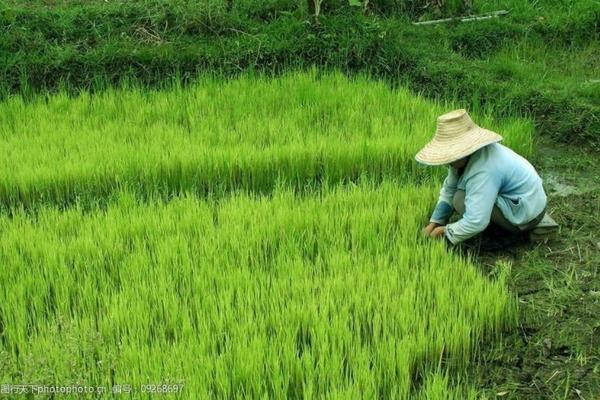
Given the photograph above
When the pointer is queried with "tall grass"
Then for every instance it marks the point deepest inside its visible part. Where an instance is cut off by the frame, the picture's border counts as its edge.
(331, 295)
(276, 252)
(217, 136)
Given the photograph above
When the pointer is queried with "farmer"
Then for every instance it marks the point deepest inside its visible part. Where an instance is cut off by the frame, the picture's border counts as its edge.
(486, 182)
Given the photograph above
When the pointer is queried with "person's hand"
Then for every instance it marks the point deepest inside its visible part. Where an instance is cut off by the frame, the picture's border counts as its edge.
(438, 232)
(429, 228)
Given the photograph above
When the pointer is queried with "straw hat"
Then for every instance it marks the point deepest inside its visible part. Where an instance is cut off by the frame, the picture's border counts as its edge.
(456, 137)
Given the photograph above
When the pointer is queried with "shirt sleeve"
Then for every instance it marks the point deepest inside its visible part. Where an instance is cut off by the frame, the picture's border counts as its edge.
(444, 208)
(481, 190)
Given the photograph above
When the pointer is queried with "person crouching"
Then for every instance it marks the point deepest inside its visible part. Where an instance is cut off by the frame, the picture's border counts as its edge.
(486, 182)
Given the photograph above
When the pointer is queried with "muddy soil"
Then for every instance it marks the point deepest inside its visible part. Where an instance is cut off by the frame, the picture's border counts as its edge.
(555, 352)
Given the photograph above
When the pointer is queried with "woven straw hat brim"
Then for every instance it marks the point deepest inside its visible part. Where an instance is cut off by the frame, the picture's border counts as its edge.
(440, 151)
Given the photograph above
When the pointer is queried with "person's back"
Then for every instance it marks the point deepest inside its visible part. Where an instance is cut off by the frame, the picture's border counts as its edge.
(521, 196)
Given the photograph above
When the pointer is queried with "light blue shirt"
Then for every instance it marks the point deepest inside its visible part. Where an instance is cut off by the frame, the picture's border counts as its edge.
(494, 175)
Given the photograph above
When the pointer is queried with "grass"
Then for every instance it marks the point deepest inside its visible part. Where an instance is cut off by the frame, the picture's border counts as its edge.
(85, 45)
(557, 343)
(217, 136)
(540, 61)
(243, 238)
(280, 296)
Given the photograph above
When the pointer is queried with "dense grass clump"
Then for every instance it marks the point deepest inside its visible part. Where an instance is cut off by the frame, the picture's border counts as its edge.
(217, 136)
(329, 295)
(244, 238)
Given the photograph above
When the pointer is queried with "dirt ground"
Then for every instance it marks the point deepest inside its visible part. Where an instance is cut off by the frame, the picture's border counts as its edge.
(555, 352)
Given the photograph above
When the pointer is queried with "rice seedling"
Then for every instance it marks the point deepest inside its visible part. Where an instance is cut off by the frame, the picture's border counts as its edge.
(251, 238)
(280, 296)
(218, 136)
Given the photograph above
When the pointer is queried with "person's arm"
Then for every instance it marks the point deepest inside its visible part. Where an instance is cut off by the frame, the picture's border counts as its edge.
(481, 191)
(444, 208)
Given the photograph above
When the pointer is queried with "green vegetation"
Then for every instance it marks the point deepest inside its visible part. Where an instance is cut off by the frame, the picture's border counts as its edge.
(94, 44)
(283, 296)
(222, 230)
(298, 272)
(217, 136)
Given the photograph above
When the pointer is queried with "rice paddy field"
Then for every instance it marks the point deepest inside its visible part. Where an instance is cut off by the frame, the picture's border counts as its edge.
(218, 136)
(248, 238)
(218, 199)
